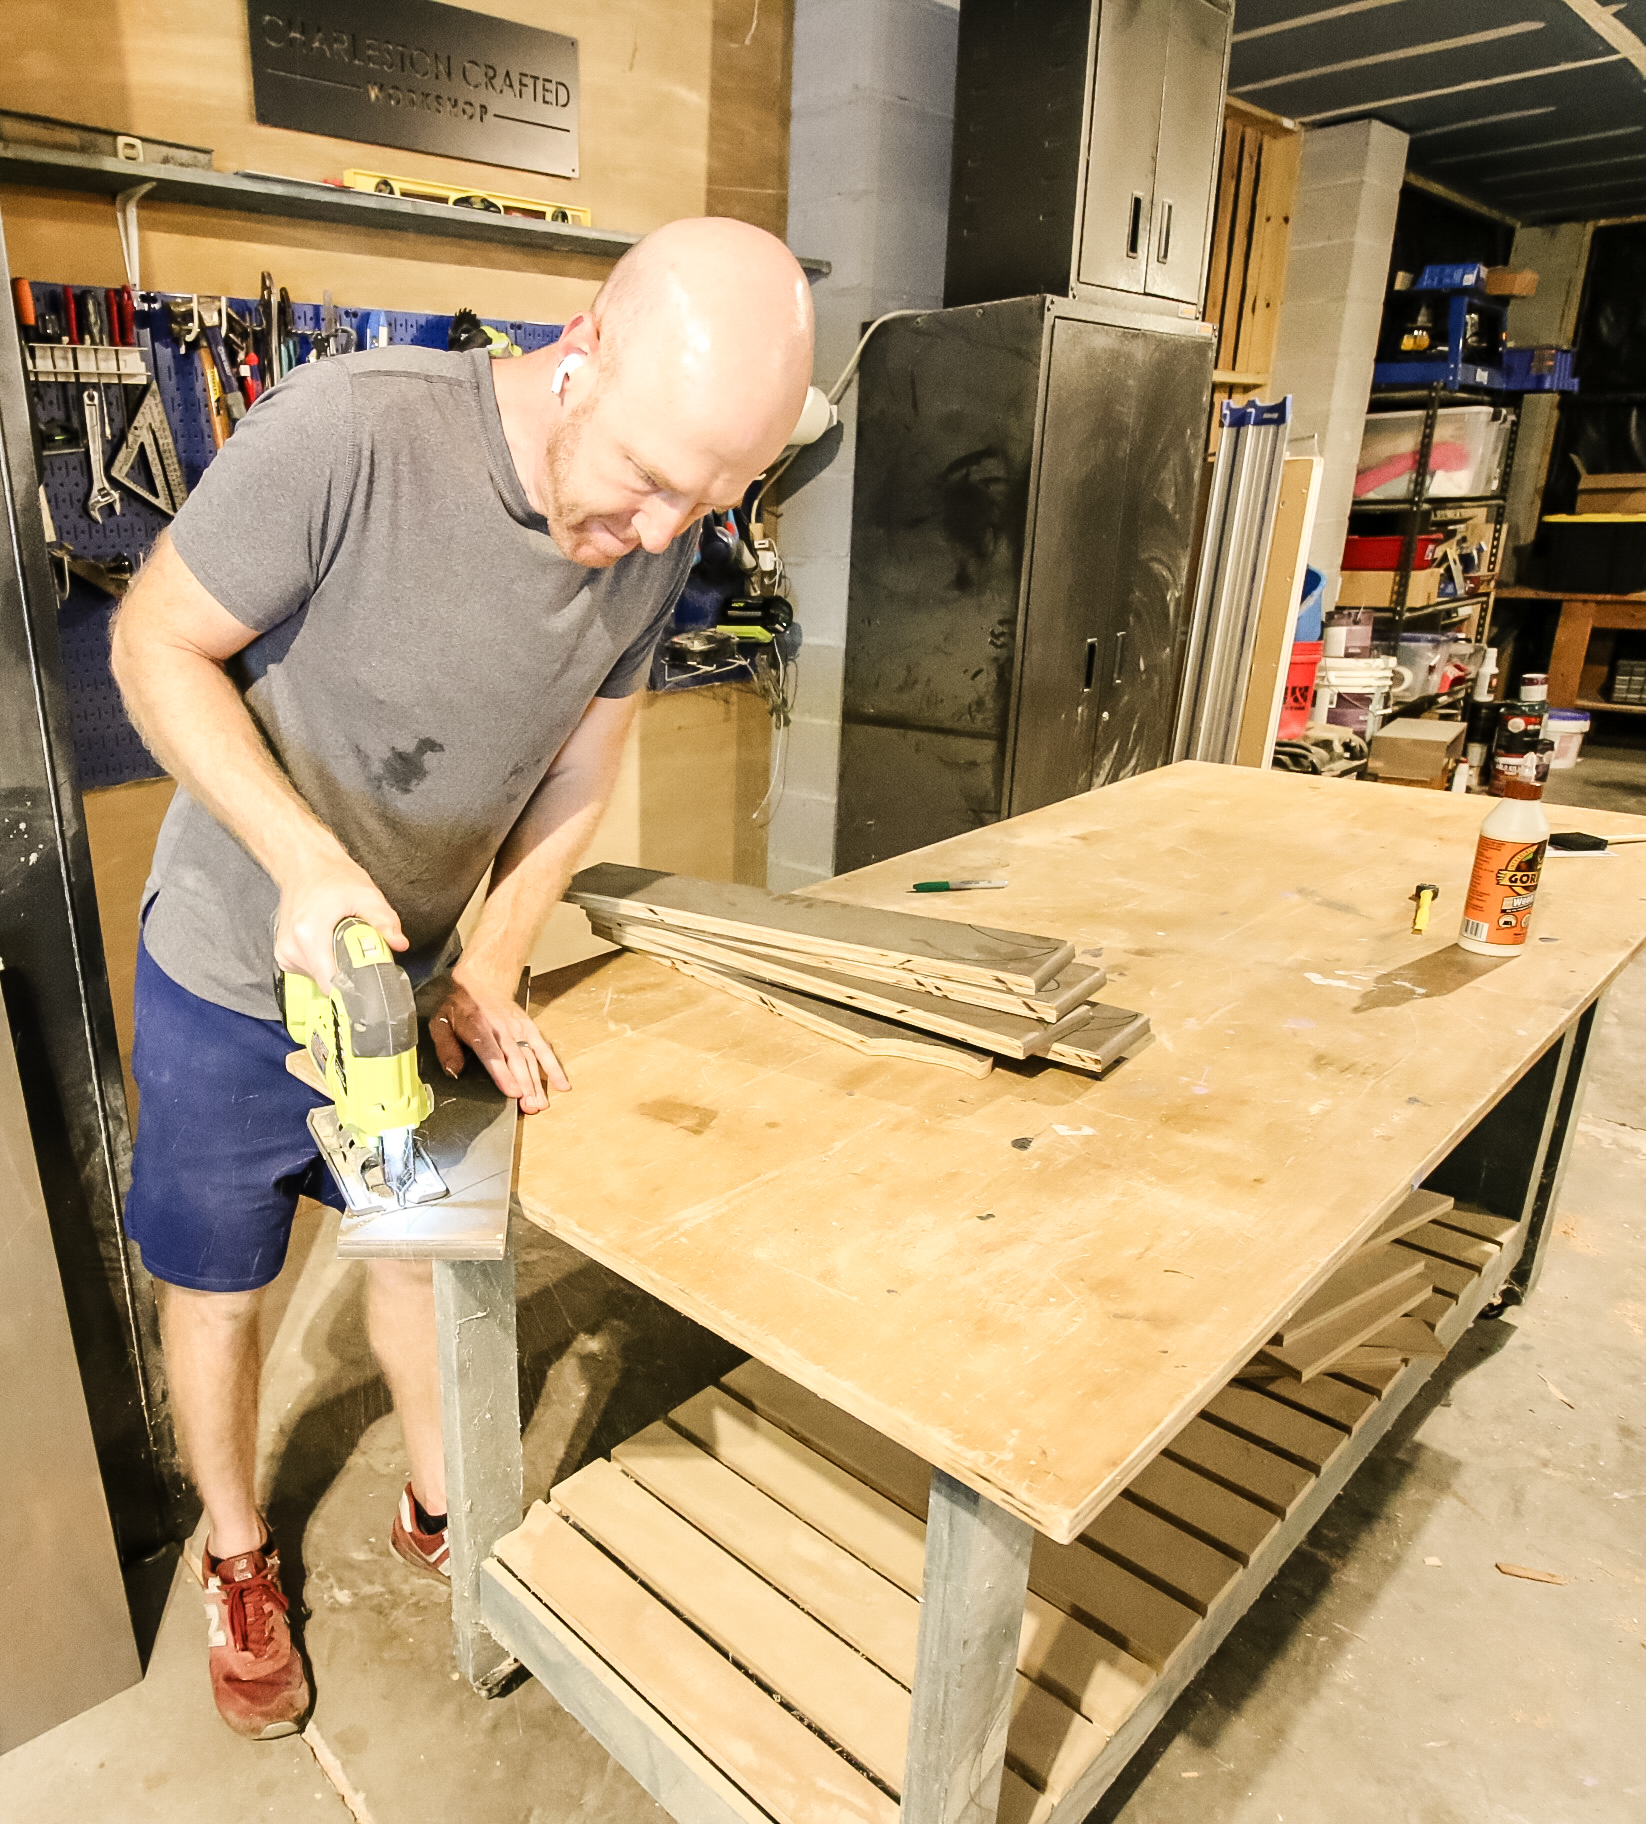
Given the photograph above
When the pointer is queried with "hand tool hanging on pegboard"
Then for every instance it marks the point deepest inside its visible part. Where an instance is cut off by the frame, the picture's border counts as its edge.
(149, 436)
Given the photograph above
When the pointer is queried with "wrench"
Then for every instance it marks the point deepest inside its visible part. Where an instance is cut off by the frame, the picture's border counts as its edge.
(101, 495)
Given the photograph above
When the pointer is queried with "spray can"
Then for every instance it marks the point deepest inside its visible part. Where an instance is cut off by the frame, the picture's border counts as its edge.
(1483, 708)
(1517, 735)
(1508, 863)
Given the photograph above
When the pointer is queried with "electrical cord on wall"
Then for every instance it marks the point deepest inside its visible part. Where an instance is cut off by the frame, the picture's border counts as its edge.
(779, 693)
(835, 394)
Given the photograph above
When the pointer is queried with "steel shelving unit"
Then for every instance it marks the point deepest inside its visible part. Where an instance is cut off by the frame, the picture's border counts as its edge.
(1418, 511)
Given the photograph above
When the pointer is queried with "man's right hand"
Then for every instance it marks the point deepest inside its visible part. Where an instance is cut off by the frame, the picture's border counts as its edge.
(314, 901)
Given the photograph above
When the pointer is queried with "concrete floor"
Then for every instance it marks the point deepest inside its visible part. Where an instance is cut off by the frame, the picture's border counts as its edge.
(1389, 1675)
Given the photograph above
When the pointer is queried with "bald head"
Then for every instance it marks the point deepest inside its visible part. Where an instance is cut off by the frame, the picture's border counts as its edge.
(677, 387)
(710, 320)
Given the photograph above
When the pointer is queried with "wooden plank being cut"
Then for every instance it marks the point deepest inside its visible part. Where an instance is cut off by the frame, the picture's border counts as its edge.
(1232, 1522)
(864, 1032)
(1324, 1346)
(1419, 1208)
(1010, 1034)
(1096, 1677)
(1369, 1278)
(963, 952)
(787, 1769)
(1272, 1482)
(1307, 1441)
(1134, 1614)
(1078, 983)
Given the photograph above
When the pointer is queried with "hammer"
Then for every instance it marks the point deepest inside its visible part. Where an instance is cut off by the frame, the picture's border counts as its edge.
(1425, 893)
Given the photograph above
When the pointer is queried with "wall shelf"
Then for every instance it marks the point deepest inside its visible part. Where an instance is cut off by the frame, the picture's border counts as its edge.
(313, 202)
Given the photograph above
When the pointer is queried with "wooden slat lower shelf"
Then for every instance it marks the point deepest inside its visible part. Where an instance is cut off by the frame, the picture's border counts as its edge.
(730, 1603)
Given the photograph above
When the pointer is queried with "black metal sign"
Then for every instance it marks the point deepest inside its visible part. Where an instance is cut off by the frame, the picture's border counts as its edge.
(414, 73)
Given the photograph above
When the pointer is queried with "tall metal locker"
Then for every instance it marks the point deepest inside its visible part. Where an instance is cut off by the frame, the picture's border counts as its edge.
(1024, 505)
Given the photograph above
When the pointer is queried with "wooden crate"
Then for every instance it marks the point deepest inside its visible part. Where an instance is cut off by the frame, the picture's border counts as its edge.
(730, 1602)
(1251, 236)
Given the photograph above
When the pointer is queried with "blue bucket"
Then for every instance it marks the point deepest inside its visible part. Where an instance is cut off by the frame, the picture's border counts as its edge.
(1308, 610)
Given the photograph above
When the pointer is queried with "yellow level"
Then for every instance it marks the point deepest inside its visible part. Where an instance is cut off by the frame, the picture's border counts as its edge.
(490, 202)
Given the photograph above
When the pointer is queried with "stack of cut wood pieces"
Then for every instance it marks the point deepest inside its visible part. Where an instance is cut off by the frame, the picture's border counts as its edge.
(1380, 1308)
(888, 984)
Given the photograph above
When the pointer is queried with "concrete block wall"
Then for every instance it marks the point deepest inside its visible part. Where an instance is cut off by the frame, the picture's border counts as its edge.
(871, 120)
(1343, 227)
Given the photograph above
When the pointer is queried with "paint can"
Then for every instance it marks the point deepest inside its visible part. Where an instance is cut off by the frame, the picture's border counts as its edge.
(1508, 864)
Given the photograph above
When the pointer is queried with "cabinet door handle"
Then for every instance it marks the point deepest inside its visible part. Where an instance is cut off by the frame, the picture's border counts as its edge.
(1119, 647)
(1165, 233)
(1134, 227)
(1091, 665)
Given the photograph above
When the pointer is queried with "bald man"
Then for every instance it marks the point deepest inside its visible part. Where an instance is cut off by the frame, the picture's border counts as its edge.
(395, 638)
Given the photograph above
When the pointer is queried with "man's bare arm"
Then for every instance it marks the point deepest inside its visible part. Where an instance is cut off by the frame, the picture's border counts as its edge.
(172, 639)
(530, 874)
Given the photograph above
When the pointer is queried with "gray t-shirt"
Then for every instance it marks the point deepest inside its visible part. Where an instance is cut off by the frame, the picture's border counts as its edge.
(423, 650)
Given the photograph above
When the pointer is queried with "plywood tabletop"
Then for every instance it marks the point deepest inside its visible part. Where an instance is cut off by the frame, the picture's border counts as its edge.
(1034, 1279)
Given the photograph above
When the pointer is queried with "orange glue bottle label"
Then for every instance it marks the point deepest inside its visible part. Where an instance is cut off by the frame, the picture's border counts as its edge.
(1501, 891)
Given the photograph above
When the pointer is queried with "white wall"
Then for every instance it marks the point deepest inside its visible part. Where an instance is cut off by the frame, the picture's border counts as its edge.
(1343, 228)
(872, 113)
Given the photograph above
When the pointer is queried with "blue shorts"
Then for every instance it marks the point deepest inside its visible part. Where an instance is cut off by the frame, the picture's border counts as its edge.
(222, 1150)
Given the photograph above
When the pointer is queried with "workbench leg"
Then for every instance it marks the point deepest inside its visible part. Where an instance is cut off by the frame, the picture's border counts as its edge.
(1513, 1160)
(971, 1614)
(480, 1410)
(1566, 1112)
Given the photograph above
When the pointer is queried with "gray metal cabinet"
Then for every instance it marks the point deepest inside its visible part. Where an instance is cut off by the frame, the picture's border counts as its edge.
(1085, 148)
(1128, 80)
(1023, 511)
(1191, 134)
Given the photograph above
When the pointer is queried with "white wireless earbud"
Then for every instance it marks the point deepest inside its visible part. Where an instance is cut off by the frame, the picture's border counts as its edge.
(816, 416)
(569, 364)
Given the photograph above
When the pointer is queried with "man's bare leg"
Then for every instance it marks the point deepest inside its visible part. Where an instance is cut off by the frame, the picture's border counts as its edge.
(212, 1361)
(400, 1323)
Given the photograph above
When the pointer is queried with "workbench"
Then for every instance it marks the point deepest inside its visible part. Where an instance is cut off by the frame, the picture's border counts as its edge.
(984, 1499)
(1576, 681)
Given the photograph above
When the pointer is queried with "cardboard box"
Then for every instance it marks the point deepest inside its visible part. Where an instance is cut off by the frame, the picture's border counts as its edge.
(1376, 588)
(1416, 751)
(1505, 282)
(1611, 494)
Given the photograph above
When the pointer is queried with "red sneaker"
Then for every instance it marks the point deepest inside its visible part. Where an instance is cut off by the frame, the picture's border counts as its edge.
(257, 1676)
(426, 1552)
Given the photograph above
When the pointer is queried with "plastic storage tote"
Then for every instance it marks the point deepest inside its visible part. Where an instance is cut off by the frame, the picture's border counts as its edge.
(1465, 458)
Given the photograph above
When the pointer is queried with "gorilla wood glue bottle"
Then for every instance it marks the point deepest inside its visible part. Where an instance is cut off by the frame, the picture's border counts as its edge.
(1508, 862)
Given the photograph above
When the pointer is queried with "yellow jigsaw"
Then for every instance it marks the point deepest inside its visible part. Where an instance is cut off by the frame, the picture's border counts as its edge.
(361, 1035)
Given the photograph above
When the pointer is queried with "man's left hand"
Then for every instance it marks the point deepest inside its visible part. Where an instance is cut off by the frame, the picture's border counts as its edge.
(501, 1035)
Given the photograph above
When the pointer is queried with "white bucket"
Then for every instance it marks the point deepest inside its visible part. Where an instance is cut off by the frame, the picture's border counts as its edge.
(1566, 728)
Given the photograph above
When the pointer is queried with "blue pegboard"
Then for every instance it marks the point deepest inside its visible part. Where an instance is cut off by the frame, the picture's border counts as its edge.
(107, 750)
(106, 747)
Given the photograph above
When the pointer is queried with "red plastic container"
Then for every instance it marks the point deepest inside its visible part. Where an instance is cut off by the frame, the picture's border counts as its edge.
(1300, 688)
(1383, 553)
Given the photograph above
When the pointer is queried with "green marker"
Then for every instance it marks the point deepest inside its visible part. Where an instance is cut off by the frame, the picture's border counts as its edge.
(955, 886)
